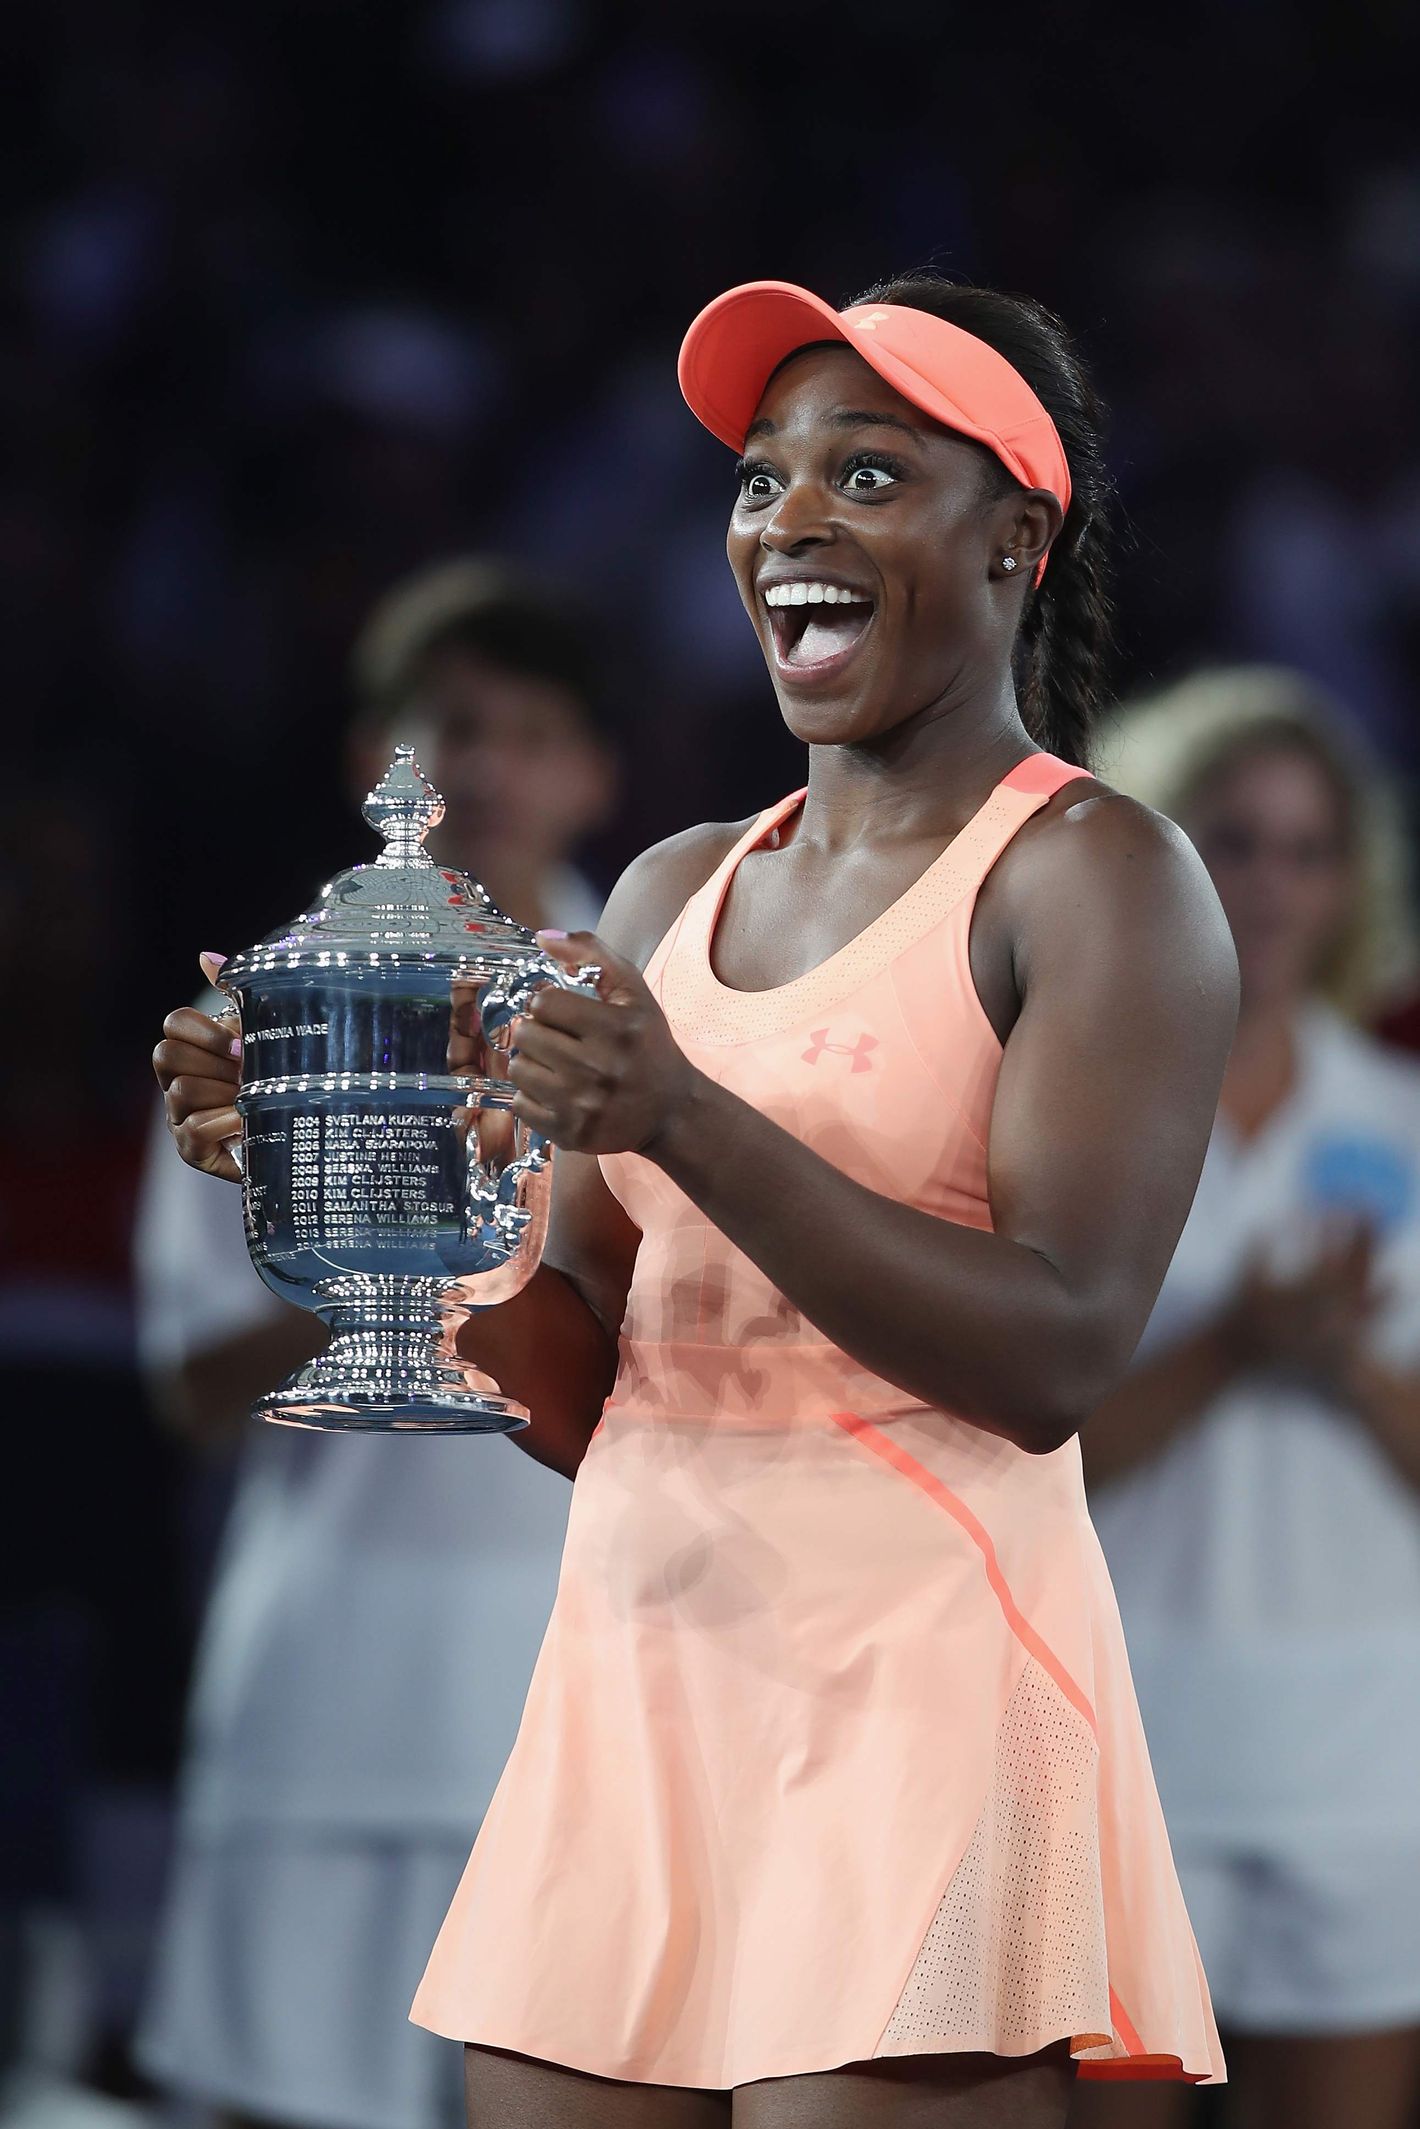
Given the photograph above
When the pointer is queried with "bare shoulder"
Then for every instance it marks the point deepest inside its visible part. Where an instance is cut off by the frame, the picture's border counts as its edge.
(656, 886)
(1102, 873)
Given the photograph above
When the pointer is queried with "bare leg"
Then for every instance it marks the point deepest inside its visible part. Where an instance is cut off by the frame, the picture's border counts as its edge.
(917, 2092)
(1344, 2081)
(1135, 2103)
(506, 2091)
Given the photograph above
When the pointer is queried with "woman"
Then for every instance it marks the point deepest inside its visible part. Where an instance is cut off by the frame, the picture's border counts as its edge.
(830, 1801)
(1257, 1476)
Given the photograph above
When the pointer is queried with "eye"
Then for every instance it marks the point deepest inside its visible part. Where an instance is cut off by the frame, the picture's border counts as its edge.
(867, 471)
(759, 483)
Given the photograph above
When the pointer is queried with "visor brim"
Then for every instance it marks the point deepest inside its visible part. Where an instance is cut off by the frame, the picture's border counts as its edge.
(738, 341)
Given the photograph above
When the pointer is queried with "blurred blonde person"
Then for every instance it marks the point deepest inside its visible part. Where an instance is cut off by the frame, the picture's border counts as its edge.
(1256, 1481)
(378, 1603)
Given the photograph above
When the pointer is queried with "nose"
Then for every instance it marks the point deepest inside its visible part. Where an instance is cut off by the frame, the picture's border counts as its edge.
(799, 519)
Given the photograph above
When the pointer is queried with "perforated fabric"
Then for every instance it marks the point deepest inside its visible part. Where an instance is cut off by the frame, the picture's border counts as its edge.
(1017, 1947)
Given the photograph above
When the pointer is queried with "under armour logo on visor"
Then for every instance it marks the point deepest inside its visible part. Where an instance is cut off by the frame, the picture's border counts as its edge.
(871, 323)
(858, 1050)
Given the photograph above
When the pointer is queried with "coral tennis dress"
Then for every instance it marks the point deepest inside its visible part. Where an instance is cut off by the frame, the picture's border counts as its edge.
(832, 1750)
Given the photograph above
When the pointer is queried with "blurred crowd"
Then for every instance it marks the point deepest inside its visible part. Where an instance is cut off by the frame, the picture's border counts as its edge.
(300, 299)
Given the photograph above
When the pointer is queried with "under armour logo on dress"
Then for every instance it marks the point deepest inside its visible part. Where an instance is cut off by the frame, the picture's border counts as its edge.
(858, 1050)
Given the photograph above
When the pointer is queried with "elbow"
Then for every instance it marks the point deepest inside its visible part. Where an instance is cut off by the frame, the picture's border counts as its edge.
(1045, 1432)
(1070, 1378)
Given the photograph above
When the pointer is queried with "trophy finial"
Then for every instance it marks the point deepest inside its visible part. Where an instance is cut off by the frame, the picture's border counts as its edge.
(403, 807)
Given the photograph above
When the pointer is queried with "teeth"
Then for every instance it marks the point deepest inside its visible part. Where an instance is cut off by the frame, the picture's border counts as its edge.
(812, 594)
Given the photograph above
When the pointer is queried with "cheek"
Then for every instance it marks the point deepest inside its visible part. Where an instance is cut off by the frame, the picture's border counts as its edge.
(941, 593)
(1324, 907)
(741, 541)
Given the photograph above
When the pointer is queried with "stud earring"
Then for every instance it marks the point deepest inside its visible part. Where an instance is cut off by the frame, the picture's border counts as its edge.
(1008, 562)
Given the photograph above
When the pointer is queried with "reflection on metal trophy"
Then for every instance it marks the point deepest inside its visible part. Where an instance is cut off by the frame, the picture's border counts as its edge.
(387, 1184)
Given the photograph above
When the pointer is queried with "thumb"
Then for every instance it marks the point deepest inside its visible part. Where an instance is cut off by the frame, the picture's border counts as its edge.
(211, 967)
(620, 979)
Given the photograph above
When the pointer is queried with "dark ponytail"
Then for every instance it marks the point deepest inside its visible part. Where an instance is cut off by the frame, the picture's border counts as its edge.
(1065, 647)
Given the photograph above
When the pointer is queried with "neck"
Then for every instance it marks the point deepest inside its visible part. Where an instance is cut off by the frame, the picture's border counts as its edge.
(518, 884)
(924, 778)
(1262, 1062)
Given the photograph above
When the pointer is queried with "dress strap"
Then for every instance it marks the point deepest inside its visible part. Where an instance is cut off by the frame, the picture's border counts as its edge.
(704, 1009)
(706, 899)
(1045, 773)
(1024, 791)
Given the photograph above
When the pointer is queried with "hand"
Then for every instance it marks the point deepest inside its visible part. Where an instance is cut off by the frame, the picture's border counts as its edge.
(1314, 1324)
(198, 1067)
(597, 1074)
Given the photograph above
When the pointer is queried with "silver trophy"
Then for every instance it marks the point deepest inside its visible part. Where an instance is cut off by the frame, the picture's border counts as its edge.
(387, 1184)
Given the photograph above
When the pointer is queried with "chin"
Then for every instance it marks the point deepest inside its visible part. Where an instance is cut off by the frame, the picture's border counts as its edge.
(838, 715)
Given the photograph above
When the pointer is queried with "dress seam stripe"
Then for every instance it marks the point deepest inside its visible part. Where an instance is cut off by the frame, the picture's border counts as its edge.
(1124, 2025)
(902, 1461)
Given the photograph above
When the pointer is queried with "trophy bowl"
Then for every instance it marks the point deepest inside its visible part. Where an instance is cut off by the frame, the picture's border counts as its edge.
(387, 1184)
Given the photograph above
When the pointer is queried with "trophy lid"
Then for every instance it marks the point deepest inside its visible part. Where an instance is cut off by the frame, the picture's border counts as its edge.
(403, 908)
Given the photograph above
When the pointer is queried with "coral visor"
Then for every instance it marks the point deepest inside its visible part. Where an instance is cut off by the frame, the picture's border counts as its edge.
(736, 343)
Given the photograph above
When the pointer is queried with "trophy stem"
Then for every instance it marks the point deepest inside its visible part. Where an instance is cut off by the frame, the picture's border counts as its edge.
(391, 1366)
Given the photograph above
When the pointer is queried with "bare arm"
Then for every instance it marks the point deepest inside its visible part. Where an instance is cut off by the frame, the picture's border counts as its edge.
(207, 1398)
(1157, 1402)
(1106, 1095)
(1388, 1404)
(1311, 1329)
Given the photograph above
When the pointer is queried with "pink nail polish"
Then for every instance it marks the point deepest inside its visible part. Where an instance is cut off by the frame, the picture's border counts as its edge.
(235, 1046)
(549, 934)
(215, 959)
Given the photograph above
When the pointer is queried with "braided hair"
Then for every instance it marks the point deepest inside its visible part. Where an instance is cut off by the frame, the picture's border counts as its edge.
(1065, 645)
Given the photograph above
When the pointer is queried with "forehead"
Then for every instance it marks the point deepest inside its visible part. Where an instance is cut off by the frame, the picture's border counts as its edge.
(1274, 777)
(456, 684)
(815, 386)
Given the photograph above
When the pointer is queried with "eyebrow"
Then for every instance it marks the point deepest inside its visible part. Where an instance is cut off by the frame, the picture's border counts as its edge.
(844, 418)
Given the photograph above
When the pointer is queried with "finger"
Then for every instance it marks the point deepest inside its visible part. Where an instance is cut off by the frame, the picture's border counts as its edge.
(175, 1054)
(188, 1096)
(188, 1025)
(203, 1143)
(550, 1046)
(534, 1113)
(175, 1061)
(209, 1127)
(576, 1013)
(547, 1088)
(620, 978)
(211, 967)
(1338, 1237)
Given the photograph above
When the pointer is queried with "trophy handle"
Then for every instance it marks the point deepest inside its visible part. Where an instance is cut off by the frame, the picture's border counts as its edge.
(231, 1014)
(500, 1002)
(503, 998)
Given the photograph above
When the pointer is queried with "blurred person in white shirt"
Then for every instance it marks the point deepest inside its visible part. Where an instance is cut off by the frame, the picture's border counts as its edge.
(378, 1602)
(1256, 1481)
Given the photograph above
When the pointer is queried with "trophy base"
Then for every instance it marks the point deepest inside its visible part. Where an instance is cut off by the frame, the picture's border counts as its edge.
(377, 1383)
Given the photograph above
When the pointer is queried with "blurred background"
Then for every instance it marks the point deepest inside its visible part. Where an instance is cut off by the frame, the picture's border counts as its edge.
(300, 298)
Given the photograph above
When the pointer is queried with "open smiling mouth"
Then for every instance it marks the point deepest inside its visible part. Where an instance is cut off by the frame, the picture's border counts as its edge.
(815, 626)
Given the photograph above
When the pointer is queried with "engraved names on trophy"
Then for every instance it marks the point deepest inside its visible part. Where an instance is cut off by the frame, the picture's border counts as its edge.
(368, 1177)
(388, 1184)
